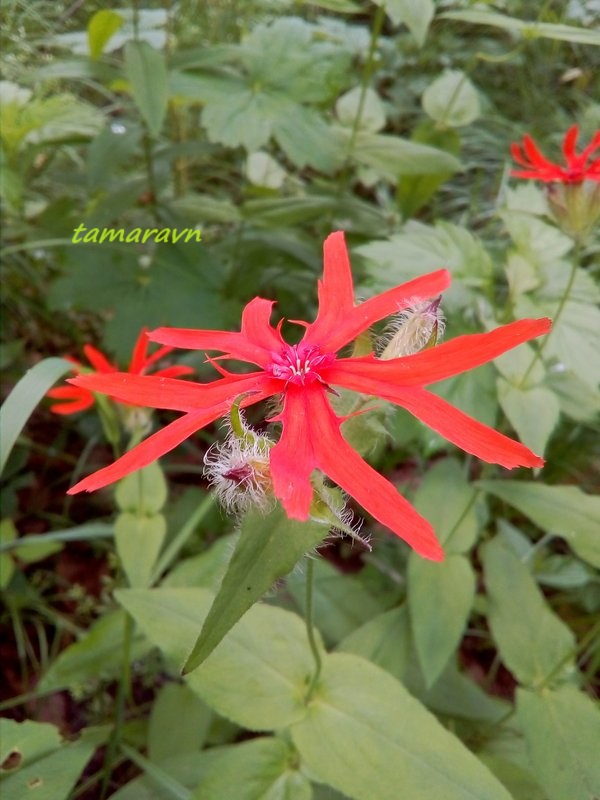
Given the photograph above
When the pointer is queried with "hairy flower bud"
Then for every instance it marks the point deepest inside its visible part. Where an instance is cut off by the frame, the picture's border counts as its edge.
(414, 329)
(575, 207)
(238, 470)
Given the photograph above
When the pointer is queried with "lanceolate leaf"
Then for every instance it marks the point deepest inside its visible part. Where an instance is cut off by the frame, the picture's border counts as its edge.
(563, 510)
(19, 405)
(534, 644)
(268, 548)
(562, 730)
(147, 73)
(366, 736)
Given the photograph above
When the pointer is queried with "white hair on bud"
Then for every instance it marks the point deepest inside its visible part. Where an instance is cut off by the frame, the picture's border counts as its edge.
(238, 470)
(410, 331)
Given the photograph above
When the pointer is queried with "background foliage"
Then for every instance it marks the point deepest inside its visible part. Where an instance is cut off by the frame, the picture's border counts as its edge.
(267, 125)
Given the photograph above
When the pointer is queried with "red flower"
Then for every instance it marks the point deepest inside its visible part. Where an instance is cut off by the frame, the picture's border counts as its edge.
(303, 374)
(77, 398)
(577, 168)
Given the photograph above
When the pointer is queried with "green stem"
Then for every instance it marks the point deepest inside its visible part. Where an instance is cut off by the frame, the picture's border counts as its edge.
(311, 631)
(123, 692)
(563, 301)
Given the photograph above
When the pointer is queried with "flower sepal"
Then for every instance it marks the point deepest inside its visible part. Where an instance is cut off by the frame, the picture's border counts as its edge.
(575, 207)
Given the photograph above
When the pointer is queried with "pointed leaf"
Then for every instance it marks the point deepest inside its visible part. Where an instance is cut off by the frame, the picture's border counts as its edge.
(415, 14)
(440, 598)
(146, 71)
(533, 413)
(563, 510)
(138, 540)
(532, 640)
(268, 548)
(20, 403)
(562, 730)
(262, 769)
(101, 28)
(404, 750)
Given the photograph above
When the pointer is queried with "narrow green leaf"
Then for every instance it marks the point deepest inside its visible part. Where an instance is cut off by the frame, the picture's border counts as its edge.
(268, 548)
(20, 403)
(186, 718)
(142, 492)
(391, 156)
(530, 30)
(366, 736)
(563, 510)
(138, 541)
(256, 770)
(440, 598)
(80, 533)
(257, 676)
(562, 730)
(101, 28)
(533, 642)
(146, 71)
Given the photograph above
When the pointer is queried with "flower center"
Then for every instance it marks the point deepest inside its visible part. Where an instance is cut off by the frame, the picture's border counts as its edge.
(300, 364)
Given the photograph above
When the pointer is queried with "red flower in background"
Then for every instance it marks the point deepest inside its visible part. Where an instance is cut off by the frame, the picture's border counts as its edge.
(303, 375)
(578, 168)
(76, 398)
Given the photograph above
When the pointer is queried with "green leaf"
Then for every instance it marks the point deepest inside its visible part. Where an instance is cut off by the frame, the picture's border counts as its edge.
(144, 492)
(94, 657)
(530, 30)
(534, 643)
(139, 540)
(21, 402)
(386, 640)
(447, 501)
(402, 746)
(372, 116)
(415, 14)
(146, 71)
(341, 602)
(563, 510)
(257, 676)
(440, 598)
(261, 769)
(533, 413)
(44, 767)
(179, 723)
(180, 286)
(452, 100)
(391, 156)
(101, 28)
(562, 730)
(268, 548)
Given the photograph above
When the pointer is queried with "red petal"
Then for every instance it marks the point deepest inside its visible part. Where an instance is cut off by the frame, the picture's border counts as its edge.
(156, 356)
(255, 343)
(535, 155)
(361, 317)
(177, 395)
(76, 399)
(176, 371)
(97, 359)
(150, 449)
(311, 439)
(138, 357)
(381, 378)
(569, 143)
(336, 291)
(465, 432)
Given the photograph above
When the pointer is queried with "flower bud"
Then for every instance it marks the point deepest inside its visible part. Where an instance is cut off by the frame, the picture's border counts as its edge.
(414, 329)
(238, 469)
(575, 207)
